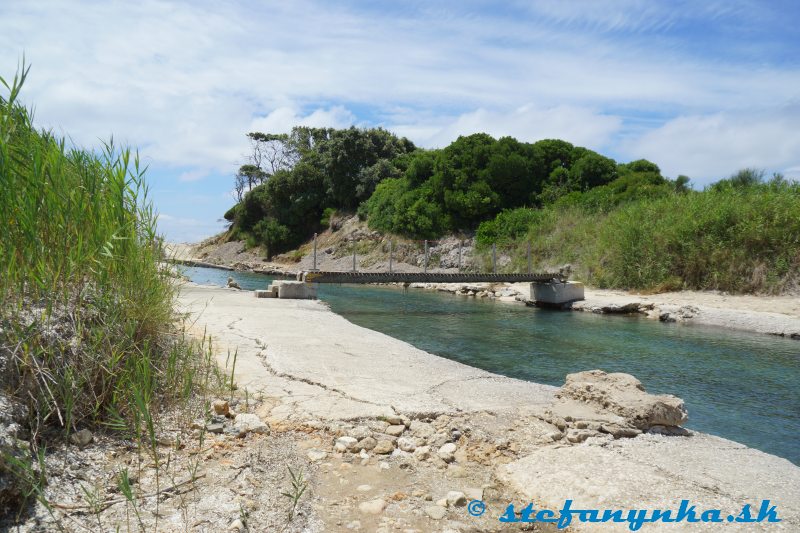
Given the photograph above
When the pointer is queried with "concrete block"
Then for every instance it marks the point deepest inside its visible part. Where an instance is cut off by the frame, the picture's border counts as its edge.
(265, 294)
(294, 290)
(554, 293)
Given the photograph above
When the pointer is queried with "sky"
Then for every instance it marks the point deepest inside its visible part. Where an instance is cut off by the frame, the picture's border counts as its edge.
(702, 88)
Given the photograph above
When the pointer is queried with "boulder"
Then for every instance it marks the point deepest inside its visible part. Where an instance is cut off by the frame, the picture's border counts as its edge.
(595, 402)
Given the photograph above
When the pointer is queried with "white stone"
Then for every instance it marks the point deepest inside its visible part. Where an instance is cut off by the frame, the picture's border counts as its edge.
(395, 430)
(446, 452)
(248, 422)
(456, 499)
(345, 444)
(372, 506)
(316, 455)
(422, 453)
(406, 444)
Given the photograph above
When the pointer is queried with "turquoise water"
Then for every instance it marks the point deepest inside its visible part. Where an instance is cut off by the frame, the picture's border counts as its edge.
(736, 385)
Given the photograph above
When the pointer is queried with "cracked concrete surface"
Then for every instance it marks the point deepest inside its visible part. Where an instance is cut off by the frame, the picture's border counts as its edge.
(319, 365)
(311, 364)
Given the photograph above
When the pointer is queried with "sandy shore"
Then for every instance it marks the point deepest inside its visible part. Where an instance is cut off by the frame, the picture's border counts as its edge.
(307, 365)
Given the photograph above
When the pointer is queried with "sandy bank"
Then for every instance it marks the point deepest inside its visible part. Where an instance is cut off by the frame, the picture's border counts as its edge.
(307, 364)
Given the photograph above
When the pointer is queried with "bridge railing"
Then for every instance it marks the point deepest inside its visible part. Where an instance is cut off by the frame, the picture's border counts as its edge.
(500, 257)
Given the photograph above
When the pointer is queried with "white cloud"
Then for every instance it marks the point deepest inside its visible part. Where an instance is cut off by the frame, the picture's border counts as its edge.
(527, 123)
(710, 147)
(283, 119)
(193, 175)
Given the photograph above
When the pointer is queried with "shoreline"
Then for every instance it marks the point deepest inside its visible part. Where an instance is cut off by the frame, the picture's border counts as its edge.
(771, 315)
(314, 368)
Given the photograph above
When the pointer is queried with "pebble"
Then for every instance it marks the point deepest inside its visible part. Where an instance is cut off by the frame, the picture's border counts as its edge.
(406, 444)
(372, 506)
(367, 444)
(436, 512)
(383, 447)
(422, 453)
(345, 444)
(316, 455)
(473, 493)
(394, 420)
(215, 427)
(456, 499)
(236, 525)
(395, 430)
(364, 488)
(446, 452)
(251, 423)
(221, 407)
(422, 429)
(81, 438)
(360, 432)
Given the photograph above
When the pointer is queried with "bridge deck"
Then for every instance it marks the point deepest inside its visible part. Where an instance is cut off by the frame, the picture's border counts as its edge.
(420, 277)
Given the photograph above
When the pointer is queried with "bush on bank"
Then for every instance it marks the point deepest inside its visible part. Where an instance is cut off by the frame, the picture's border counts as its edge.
(86, 312)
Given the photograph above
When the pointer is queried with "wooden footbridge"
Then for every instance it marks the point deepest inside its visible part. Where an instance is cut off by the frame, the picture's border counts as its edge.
(312, 276)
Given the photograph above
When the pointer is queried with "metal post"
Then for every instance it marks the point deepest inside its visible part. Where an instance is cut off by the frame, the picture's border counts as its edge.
(459, 254)
(390, 257)
(529, 257)
(494, 258)
(426, 256)
(315, 252)
(354, 257)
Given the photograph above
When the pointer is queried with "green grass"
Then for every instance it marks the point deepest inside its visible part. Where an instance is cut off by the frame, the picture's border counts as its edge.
(86, 307)
(737, 239)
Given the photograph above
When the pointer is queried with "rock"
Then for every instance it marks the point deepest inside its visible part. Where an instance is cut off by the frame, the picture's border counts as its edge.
(422, 453)
(616, 400)
(579, 435)
(395, 430)
(383, 447)
(446, 452)
(456, 499)
(221, 407)
(406, 444)
(372, 506)
(360, 432)
(455, 434)
(394, 420)
(435, 512)
(249, 422)
(442, 502)
(364, 488)
(421, 429)
(366, 444)
(473, 493)
(236, 525)
(215, 427)
(345, 444)
(316, 455)
(81, 438)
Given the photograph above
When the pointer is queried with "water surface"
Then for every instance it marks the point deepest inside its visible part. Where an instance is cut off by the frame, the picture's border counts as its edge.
(737, 385)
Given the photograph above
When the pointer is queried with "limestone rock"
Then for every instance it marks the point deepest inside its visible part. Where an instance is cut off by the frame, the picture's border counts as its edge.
(372, 507)
(447, 451)
(435, 512)
(316, 455)
(422, 453)
(615, 400)
(345, 444)
(368, 444)
(383, 447)
(248, 422)
(221, 407)
(456, 499)
(406, 444)
(395, 430)
(81, 438)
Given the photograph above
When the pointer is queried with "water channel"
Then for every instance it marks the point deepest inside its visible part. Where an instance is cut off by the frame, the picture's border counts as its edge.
(741, 386)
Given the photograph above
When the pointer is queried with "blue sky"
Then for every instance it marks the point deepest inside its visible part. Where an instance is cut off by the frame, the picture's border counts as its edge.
(700, 88)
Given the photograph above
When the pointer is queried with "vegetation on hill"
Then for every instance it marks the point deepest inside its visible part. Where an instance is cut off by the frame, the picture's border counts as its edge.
(621, 225)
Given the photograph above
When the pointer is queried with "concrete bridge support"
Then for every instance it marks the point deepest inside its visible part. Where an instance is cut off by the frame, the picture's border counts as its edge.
(289, 290)
(556, 293)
